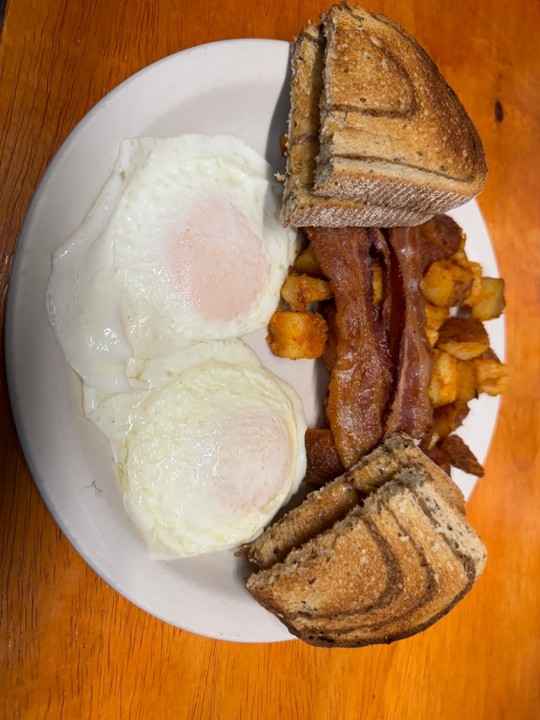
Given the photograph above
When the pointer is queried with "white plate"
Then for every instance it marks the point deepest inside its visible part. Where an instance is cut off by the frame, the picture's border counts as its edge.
(238, 87)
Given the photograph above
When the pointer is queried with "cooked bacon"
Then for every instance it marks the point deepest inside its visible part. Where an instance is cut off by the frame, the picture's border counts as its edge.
(361, 377)
(440, 457)
(461, 456)
(411, 409)
(323, 463)
(439, 238)
(329, 355)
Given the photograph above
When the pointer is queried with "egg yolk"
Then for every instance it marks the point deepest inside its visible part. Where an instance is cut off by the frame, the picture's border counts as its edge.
(218, 261)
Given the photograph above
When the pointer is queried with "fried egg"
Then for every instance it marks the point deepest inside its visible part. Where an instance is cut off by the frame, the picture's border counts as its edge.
(183, 244)
(208, 451)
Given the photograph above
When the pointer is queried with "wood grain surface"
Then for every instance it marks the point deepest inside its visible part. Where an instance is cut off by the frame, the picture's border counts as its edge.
(70, 646)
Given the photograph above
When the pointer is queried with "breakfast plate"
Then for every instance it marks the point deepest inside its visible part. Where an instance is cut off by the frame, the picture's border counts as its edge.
(240, 88)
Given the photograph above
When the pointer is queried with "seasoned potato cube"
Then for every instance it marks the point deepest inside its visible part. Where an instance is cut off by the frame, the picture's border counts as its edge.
(476, 286)
(301, 290)
(378, 288)
(490, 301)
(435, 316)
(295, 335)
(443, 384)
(466, 381)
(307, 263)
(491, 376)
(463, 337)
(432, 336)
(440, 237)
(446, 283)
(460, 257)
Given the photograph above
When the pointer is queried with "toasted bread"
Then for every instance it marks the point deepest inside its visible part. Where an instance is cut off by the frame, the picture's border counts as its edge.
(423, 578)
(320, 510)
(325, 506)
(391, 130)
(390, 565)
(300, 208)
(376, 136)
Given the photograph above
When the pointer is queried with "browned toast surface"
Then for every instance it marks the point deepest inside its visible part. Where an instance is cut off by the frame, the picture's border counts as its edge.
(374, 556)
(376, 136)
(391, 129)
(300, 207)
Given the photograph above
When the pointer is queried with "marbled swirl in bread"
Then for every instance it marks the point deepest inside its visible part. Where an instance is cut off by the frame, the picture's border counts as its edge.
(376, 136)
(375, 569)
(300, 207)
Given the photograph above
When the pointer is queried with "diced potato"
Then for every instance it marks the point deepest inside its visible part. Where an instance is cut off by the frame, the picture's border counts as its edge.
(491, 376)
(490, 301)
(307, 263)
(466, 381)
(301, 290)
(378, 289)
(463, 337)
(435, 316)
(297, 334)
(460, 257)
(446, 283)
(432, 336)
(443, 384)
(475, 269)
(476, 288)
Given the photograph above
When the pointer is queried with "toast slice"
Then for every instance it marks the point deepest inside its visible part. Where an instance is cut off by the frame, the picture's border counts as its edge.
(300, 208)
(409, 582)
(389, 566)
(382, 573)
(330, 503)
(433, 580)
(322, 578)
(320, 510)
(392, 132)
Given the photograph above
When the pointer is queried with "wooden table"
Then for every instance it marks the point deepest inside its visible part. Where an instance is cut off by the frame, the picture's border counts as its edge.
(70, 646)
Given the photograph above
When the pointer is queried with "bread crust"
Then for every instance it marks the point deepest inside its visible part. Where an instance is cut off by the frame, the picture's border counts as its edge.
(391, 130)
(300, 207)
(427, 580)
(393, 155)
(389, 566)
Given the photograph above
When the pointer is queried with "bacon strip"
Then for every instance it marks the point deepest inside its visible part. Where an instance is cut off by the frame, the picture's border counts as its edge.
(323, 462)
(361, 378)
(411, 410)
(439, 238)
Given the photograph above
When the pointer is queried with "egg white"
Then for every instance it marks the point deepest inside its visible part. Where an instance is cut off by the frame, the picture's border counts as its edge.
(208, 450)
(183, 244)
